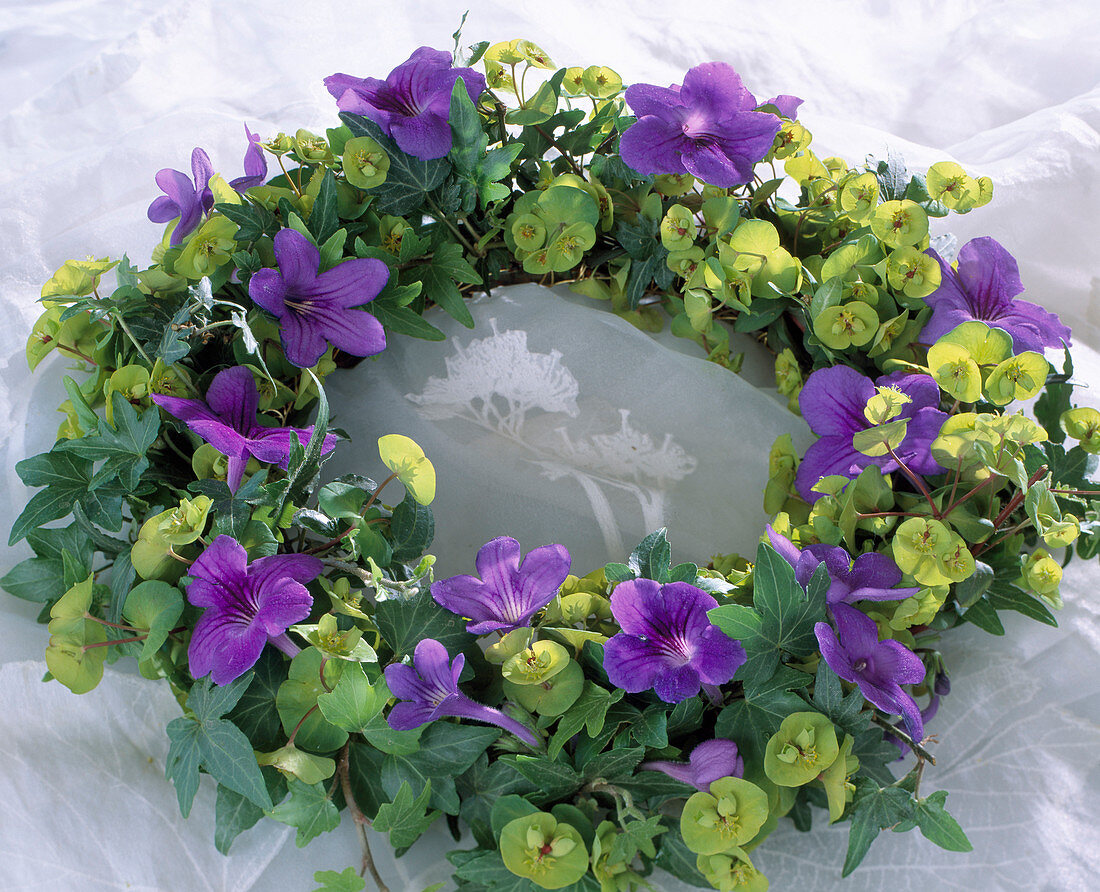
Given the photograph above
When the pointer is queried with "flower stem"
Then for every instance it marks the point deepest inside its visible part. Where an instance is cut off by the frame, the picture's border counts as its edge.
(917, 482)
(444, 219)
(126, 328)
(358, 818)
(301, 721)
(905, 738)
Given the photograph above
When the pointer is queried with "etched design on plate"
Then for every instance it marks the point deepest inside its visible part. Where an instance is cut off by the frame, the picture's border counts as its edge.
(496, 382)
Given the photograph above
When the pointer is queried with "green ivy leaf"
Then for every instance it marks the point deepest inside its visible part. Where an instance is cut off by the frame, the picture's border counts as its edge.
(66, 478)
(323, 218)
(408, 180)
(652, 557)
(872, 810)
(406, 818)
(589, 712)
(404, 624)
(553, 780)
(787, 613)
(121, 448)
(412, 527)
(829, 698)
(308, 809)
(345, 881)
(938, 826)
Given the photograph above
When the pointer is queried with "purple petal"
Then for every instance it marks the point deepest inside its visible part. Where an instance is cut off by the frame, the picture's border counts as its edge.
(301, 568)
(403, 682)
(163, 209)
(875, 571)
(541, 575)
(351, 283)
(433, 664)
(907, 667)
(787, 105)
(988, 275)
(268, 290)
(713, 166)
(909, 711)
(424, 136)
(653, 146)
(713, 759)
(405, 716)
(234, 471)
(646, 100)
(680, 771)
(826, 457)
(685, 609)
(201, 169)
(298, 259)
(468, 596)
(831, 651)
(715, 90)
(634, 603)
(233, 395)
(833, 399)
(281, 604)
(303, 344)
(857, 630)
(223, 646)
(272, 444)
(223, 563)
(631, 663)
(916, 448)
(676, 683)
(783, 546)
(717, 656)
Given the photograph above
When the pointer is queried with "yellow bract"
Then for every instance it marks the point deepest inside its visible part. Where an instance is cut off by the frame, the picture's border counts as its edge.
(407, 460)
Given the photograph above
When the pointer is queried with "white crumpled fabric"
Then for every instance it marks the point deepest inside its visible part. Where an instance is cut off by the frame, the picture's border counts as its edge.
(96, 96)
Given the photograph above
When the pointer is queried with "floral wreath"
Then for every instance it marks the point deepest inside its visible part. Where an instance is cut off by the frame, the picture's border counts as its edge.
(583, 729)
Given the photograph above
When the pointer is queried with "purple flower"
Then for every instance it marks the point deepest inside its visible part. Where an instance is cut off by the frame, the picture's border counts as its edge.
(183, 198)
(413, 103)
(871, 577)
(255, 164)
(707, 127)
(878, 667)
(317, 310)
(227, 421)
(709, 761)
(787, 105)
(832, 402)
(429, 690)
(508, 593)
(246, 604)
(667, 643)
(983, 289)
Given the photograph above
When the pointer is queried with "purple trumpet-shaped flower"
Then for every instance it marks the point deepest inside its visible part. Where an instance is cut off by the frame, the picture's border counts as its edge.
(871, 577)
(878, 667)
(787, 105)
(428, 690)
(984, 289)
(413, 104)
(316, 310)
(709, 761)
(832, 402)
(255, 164)
(227, 421)
(183, 198)
(667, 643)
(707, 127)
(247, 605)
(509, 593)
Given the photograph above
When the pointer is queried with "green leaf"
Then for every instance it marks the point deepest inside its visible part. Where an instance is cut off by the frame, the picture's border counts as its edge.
(227, 755)
(984, 616)
(614, 765)
(401, 320)
(233, 813)
(787, 613)
(323, 219)
(412, 527)
(737, 621)
(255, 712)
(938, 826)
(404, 624)
(406, 818)
(447, 266)
(66, 478)
(354, 701)
(652, 557)
(182, 764)
(155, 606)
(678, 859)
(409, 179)
(542, 105)
(873, 809)
(35, 579)
(1011, 597)
(308, 809)
(652, 728)
(345, 881)
(588, 712)
(446, 751)
(829, 698)
(553, 780)
(122, 448)
(638, 836)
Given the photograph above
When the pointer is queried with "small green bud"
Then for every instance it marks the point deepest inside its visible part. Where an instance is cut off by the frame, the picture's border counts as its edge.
(885, 404)
(208, 248)
(311, 148)
(672, 185)
(1018, 378)
(548, 852)
(1083, 424)
(365, 162)
(859, 196)
(900, 223)
(601, 83)
(956, 373)
(803, 747)
(678, 229)
(729, 815)
(529, 232)
(1042, 574)
(913, 272)
(731, 871)
(847, 325)
(949, 184)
